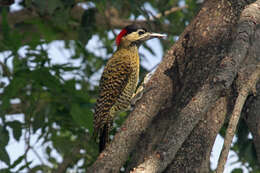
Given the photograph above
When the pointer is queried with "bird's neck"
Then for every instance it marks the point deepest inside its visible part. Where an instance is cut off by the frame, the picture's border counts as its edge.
(130, 54)
(133, 48)
(129, 45)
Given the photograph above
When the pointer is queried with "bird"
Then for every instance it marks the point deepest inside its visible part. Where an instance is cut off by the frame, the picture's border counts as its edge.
(119, 80)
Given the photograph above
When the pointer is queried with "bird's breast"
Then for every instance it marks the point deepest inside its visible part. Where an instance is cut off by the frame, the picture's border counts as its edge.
(124, 100)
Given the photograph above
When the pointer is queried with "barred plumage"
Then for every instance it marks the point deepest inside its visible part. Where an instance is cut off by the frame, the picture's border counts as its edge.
(119, 80)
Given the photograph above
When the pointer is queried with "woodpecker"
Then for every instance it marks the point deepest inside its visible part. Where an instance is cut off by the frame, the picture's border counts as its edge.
(119, 80)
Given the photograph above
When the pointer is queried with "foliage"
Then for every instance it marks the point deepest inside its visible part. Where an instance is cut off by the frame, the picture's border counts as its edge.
(55, 109)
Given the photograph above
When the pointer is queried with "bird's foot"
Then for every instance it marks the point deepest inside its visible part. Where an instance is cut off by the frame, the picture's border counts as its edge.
(141, 90)
(147, 78)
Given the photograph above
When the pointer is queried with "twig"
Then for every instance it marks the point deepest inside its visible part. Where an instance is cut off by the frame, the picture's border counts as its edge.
(167, 12)
(14, 109)
(37, 155)
(248, 87)
(6, 71)
(27, 138)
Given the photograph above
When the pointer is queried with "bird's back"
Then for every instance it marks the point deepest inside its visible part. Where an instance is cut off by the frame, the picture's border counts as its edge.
(117, 85)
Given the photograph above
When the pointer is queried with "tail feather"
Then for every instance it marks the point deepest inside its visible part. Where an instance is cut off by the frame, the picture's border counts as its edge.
(103, 137)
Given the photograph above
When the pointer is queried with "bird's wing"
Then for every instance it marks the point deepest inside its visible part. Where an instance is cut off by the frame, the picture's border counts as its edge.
(113, 81)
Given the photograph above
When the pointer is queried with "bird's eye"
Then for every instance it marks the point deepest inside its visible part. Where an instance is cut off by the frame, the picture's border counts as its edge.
(141, 32)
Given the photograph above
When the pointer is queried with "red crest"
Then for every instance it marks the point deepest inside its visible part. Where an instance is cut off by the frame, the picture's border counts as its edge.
(120, 35)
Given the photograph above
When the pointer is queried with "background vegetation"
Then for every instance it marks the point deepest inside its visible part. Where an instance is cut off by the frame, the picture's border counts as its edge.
(37, 98)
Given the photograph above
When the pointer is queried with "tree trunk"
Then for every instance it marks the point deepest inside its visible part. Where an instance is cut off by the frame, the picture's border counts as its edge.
(173, 127)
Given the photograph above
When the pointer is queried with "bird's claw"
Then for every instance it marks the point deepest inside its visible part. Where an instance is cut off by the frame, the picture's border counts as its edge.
(147, 78)
(141, 89)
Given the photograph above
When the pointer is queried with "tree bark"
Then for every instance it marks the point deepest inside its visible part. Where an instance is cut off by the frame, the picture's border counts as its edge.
(252, 108)
(194, 155)
(252, 118)
(177, 96)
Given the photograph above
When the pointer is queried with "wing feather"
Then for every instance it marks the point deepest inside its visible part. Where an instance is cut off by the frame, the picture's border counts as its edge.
(113, 81)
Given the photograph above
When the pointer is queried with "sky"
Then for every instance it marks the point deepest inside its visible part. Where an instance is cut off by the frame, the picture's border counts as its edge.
(59, 56)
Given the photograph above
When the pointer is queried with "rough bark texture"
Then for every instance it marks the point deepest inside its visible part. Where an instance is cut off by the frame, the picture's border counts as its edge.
(181, 99)
(197, 58)
(252, 110)
(247, 28)
(252, 118)
(195, 152)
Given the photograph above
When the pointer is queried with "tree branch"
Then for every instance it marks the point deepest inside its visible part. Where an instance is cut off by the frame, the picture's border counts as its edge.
(252, 111)
(252, 120)
(247, 88)
(194, 155)
(167, 12)
(171, 73)
(6, 70)
(187, 120)
(112, 15)
(245, 29)
(247, 79)
(200, 103)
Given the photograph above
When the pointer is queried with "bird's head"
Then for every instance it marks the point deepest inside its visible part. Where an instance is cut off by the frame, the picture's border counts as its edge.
(133, 35)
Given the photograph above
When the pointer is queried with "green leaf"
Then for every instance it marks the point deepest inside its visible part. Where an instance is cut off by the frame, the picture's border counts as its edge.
(61, 18)
(4, 156)
(13, 89)
(41, 168)
(48, 6)
(38, 121)
(88, 28)
(82, 116)
(17, 129)
(4, 25)
(11, 39)
(5, 104)
(6, 170)
(17, 161)
(59, 141)
(37, 168)
(43, 28)
(4, 137)
(52, 160)
(48, 150)
(255, 170)
(237, 170)
(24, 166)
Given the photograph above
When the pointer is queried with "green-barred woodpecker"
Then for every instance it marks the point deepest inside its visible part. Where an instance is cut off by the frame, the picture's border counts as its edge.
(119, 80)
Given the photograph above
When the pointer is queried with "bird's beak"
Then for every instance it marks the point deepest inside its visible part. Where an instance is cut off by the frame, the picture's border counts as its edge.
(157, 35)
(150, 35)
